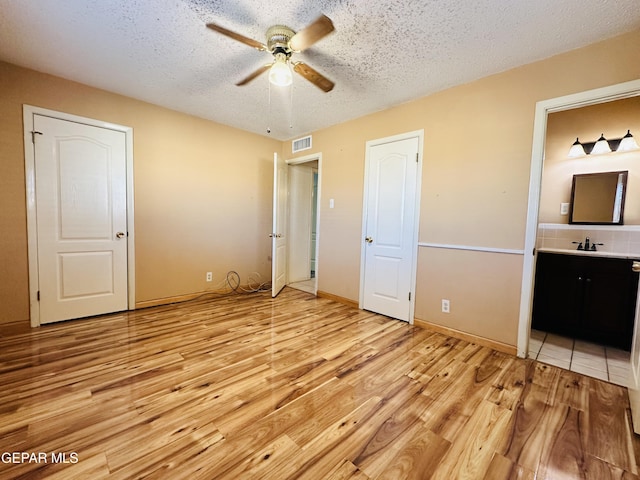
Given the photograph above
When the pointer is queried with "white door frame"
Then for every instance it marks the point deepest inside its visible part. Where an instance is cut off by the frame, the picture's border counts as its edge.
(543, 108)
(28, 112)
(416, 221)
(306, 159)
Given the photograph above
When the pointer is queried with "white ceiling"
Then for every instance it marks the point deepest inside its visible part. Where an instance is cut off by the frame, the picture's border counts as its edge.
(382, 53)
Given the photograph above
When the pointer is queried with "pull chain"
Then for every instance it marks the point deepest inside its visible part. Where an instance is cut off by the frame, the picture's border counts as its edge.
(291, 106)
(269, 111)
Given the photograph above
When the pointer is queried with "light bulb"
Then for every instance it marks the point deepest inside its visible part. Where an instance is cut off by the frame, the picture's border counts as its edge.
(577, 150)
(601, 146)
(628, 143)
(280, 73)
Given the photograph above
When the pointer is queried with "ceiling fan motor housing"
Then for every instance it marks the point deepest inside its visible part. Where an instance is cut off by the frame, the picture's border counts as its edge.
(278, 38)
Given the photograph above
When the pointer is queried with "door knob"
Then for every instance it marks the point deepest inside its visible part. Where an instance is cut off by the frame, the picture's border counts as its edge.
(368, 240)
(121, 235)
(635, 267)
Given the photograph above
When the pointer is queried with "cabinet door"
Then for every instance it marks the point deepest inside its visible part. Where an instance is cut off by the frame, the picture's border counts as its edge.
(557, 294)
(609, 301)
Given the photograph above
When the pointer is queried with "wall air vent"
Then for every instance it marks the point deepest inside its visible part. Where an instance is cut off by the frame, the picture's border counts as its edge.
(300, 144)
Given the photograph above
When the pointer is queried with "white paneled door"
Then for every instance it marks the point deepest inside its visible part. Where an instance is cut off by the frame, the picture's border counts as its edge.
(278, 237)
(390, 227)
(81, 204)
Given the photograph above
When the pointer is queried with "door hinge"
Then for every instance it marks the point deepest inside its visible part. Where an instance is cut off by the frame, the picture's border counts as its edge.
(417, 154)
(38, 296)
(409, 296)
(33, 136)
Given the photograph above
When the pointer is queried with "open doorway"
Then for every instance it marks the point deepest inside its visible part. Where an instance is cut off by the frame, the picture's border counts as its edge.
(583, 311)
(303, 188)
(543, 109)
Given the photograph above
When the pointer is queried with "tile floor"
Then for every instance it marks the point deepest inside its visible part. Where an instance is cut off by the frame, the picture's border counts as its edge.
(308, 286)
(605, 363)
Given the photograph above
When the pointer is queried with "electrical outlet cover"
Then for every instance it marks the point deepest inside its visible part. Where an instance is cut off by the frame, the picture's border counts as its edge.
(445, 305)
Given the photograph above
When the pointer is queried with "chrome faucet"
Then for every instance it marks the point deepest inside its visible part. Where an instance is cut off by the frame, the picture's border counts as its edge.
(587, 245)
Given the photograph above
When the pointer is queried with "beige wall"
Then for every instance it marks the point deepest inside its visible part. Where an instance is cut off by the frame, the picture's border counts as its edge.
(475, 185)
(189, 175)
(477, 159)
(613, 119)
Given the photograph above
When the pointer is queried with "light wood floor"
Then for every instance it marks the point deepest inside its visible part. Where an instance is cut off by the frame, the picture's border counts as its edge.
(296, 387)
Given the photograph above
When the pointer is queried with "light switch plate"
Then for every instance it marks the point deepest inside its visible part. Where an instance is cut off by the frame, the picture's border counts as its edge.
(564, 209)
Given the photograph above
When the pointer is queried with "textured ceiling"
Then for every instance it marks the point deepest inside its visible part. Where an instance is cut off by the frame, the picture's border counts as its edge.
(382, 53)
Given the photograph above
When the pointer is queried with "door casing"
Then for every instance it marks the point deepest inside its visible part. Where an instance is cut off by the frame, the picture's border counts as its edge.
(307, 159)
(416, 221)
(301, 201)
(28, 113)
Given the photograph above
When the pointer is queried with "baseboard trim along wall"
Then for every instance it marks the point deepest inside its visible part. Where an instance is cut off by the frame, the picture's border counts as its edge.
(499, 346)
(167, 300)
(337, 298)
(189, 296)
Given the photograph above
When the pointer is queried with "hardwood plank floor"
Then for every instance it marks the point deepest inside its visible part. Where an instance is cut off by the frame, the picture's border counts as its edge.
(298, 387)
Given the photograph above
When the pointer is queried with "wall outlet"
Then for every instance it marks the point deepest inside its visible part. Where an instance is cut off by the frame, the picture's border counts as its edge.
(209, 277)
(564, 209)
(445, 306)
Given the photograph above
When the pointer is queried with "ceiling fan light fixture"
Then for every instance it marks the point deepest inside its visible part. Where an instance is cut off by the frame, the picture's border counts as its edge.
(282, 42)
(280, 72)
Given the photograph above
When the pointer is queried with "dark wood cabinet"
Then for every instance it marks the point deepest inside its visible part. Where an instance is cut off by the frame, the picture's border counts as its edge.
(587, 297)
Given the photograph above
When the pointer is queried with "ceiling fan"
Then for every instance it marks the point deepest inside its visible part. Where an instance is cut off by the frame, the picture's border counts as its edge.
(282, 42)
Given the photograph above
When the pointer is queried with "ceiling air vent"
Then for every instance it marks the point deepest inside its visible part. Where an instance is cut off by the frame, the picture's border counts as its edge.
(300, 144)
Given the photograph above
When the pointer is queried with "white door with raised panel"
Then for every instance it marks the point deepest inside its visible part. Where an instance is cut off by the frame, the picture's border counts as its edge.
(278, 237)
(81, 205)
(390, 227)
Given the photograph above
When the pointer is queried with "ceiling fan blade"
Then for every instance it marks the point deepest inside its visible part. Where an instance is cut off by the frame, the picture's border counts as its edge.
(319, 80)
(236, 36)
(311, 34)
(255, 74)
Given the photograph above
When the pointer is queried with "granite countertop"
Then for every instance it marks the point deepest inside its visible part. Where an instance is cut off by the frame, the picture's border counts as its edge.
(590, 253)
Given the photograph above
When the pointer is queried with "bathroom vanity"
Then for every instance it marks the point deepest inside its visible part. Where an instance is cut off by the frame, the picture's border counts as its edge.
(586, 295)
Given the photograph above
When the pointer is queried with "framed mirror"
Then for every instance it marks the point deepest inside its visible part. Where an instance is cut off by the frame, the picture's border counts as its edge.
(598, 198)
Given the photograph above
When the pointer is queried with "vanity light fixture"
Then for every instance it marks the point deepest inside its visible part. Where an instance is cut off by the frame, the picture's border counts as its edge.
(577, 149)
(628, 143)
(603, 145)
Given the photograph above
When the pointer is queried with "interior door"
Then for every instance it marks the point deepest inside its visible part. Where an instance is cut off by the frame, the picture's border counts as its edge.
(80, 186)
(278, 237)
(390, 227)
